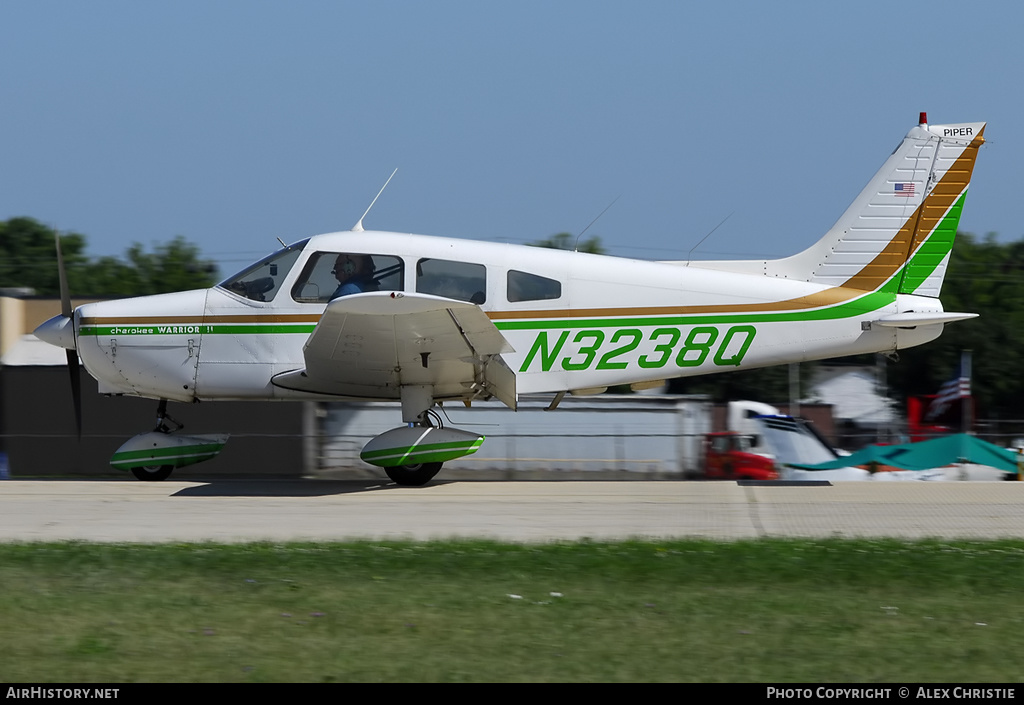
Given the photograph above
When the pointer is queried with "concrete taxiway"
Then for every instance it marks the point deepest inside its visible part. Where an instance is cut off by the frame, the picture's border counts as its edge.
(238, 510)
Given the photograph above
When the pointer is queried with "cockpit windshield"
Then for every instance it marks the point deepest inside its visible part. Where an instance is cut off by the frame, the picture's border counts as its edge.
(261, 281)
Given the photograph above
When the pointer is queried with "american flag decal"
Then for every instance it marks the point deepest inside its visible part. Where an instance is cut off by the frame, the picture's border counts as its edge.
(906, 189)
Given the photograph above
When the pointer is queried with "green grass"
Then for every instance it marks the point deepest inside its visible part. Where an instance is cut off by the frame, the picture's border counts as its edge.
(756, 611)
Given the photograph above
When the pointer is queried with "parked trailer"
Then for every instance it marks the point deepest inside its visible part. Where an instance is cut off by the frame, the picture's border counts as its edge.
(635, 436)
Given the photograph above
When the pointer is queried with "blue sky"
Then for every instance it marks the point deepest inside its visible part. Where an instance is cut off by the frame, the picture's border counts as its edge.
(234, 123)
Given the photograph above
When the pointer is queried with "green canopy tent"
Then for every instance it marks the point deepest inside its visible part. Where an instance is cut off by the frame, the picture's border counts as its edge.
(933, 453)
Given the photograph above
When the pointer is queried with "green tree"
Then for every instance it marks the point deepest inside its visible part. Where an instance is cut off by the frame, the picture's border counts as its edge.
(567, 241)
(28, 259)
(987, 278)
(174, 266)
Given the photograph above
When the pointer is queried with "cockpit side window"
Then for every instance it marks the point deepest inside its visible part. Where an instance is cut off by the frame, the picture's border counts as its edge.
(464, 281)
(523, 286)
(261, 281)
(328, 275)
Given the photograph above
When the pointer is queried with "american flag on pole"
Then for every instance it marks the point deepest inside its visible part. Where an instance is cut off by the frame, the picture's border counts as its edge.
(957, 388)
(904, 189)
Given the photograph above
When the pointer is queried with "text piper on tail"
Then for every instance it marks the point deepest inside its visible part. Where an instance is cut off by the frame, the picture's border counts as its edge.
(423, 320)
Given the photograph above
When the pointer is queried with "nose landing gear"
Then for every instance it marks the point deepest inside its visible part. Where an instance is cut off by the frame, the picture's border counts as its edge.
(153, 456)
(153, 473)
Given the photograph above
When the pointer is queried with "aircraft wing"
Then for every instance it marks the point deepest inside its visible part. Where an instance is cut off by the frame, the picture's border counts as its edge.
(370, 345)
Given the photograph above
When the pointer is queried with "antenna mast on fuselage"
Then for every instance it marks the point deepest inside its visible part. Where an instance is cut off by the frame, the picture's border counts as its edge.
(576, 246)
(358, 227)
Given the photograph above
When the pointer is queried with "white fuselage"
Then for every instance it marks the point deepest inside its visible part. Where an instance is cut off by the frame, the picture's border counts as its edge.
(576, 321)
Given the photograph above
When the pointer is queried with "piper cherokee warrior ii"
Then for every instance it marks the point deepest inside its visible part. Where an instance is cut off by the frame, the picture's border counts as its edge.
(363, 315)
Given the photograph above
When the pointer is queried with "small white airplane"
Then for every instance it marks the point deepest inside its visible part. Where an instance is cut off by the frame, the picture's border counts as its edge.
(424, 320)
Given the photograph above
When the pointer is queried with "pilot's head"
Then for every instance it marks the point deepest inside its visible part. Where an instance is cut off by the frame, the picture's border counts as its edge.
(348, 266)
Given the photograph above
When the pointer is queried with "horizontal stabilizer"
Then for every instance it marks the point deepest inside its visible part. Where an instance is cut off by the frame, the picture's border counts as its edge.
(922, 318)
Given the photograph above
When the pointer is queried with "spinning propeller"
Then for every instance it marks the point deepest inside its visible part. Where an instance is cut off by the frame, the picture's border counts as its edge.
(60, 331)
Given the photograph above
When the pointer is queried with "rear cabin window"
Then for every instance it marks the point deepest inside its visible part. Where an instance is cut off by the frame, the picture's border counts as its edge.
(463, 281)
(328, 275)
(523, 286)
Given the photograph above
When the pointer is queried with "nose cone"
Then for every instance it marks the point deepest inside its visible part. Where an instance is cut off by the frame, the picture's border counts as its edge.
(59, 331)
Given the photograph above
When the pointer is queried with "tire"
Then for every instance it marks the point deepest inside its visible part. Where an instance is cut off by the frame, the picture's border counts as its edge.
(153, 473)
(413, 475)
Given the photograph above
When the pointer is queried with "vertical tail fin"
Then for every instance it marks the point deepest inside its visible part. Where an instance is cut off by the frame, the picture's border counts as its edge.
(899, 231)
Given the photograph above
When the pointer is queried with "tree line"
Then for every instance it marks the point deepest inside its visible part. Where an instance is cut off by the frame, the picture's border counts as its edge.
(28, 259)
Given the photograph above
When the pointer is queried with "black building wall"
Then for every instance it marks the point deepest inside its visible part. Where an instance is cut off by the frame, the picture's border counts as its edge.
(37, 429)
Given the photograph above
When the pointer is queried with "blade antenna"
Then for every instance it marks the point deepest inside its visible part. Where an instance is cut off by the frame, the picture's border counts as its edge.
(688, 254)
(576, 247)
(358, 227)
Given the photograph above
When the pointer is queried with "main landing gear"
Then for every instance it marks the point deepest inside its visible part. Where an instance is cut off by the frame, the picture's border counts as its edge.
(410, 445)
(412, 455)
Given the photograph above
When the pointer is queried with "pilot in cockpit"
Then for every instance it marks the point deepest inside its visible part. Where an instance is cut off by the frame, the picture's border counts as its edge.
(354, 274)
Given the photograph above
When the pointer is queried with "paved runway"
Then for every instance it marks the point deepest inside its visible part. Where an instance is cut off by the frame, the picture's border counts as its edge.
(236, 510)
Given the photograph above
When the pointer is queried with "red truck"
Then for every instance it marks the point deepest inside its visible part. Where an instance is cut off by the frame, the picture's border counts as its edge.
(727, 456)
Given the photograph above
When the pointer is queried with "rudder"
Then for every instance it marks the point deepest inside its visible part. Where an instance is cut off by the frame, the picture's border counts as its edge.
(939, 216)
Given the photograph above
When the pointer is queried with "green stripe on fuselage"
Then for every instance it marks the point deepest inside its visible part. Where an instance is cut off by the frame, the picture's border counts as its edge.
(201, 329)
(858, 307)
